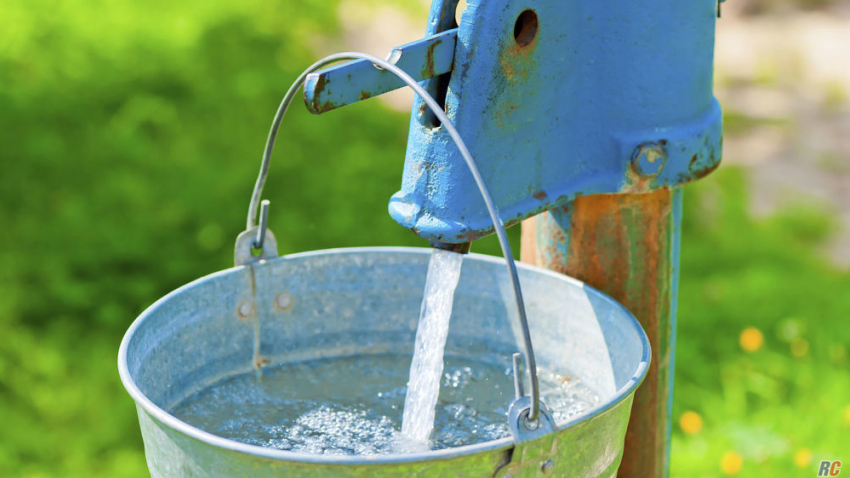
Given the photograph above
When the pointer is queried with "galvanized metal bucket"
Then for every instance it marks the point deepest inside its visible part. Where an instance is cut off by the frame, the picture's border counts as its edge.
(356, 302)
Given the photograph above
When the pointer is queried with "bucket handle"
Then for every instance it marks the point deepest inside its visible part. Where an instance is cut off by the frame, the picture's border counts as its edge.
(256, 236)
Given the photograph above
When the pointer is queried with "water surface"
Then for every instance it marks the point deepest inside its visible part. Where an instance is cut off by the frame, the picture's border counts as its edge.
(354, 406)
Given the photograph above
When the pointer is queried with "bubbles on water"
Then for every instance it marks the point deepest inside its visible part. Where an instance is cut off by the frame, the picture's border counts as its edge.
(331, 431)
(460, 377)
(565, 395)
(353, 406)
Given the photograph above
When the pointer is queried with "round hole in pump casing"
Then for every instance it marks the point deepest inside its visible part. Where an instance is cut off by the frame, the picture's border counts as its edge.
(525, 28)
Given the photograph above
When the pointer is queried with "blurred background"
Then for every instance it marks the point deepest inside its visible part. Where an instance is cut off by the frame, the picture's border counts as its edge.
(130, 138)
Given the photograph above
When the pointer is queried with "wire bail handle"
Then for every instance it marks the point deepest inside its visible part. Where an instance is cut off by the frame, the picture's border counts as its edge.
(526, 409)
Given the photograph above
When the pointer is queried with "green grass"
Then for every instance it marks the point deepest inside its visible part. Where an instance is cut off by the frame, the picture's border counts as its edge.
(130, 135)
(770, 404)
(738, 123)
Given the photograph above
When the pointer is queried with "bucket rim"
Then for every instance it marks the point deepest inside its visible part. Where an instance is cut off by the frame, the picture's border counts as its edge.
(506, 443)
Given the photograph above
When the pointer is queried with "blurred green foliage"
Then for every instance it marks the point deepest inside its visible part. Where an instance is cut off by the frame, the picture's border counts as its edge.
(786, 405)
(130, 137)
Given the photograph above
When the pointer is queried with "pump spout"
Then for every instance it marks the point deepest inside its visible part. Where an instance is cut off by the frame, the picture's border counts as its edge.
(460, 248)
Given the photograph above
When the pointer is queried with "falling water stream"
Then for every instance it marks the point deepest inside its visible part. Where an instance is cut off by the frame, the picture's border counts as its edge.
(426, 369)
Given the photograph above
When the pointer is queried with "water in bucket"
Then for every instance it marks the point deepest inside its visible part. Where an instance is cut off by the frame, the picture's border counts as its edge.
(357, 405)
(354, 406)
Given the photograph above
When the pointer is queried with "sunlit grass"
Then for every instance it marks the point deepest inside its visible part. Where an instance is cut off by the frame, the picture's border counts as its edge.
(760, 338)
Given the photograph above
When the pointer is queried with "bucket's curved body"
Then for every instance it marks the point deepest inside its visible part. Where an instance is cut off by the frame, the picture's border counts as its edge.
(354, 302)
